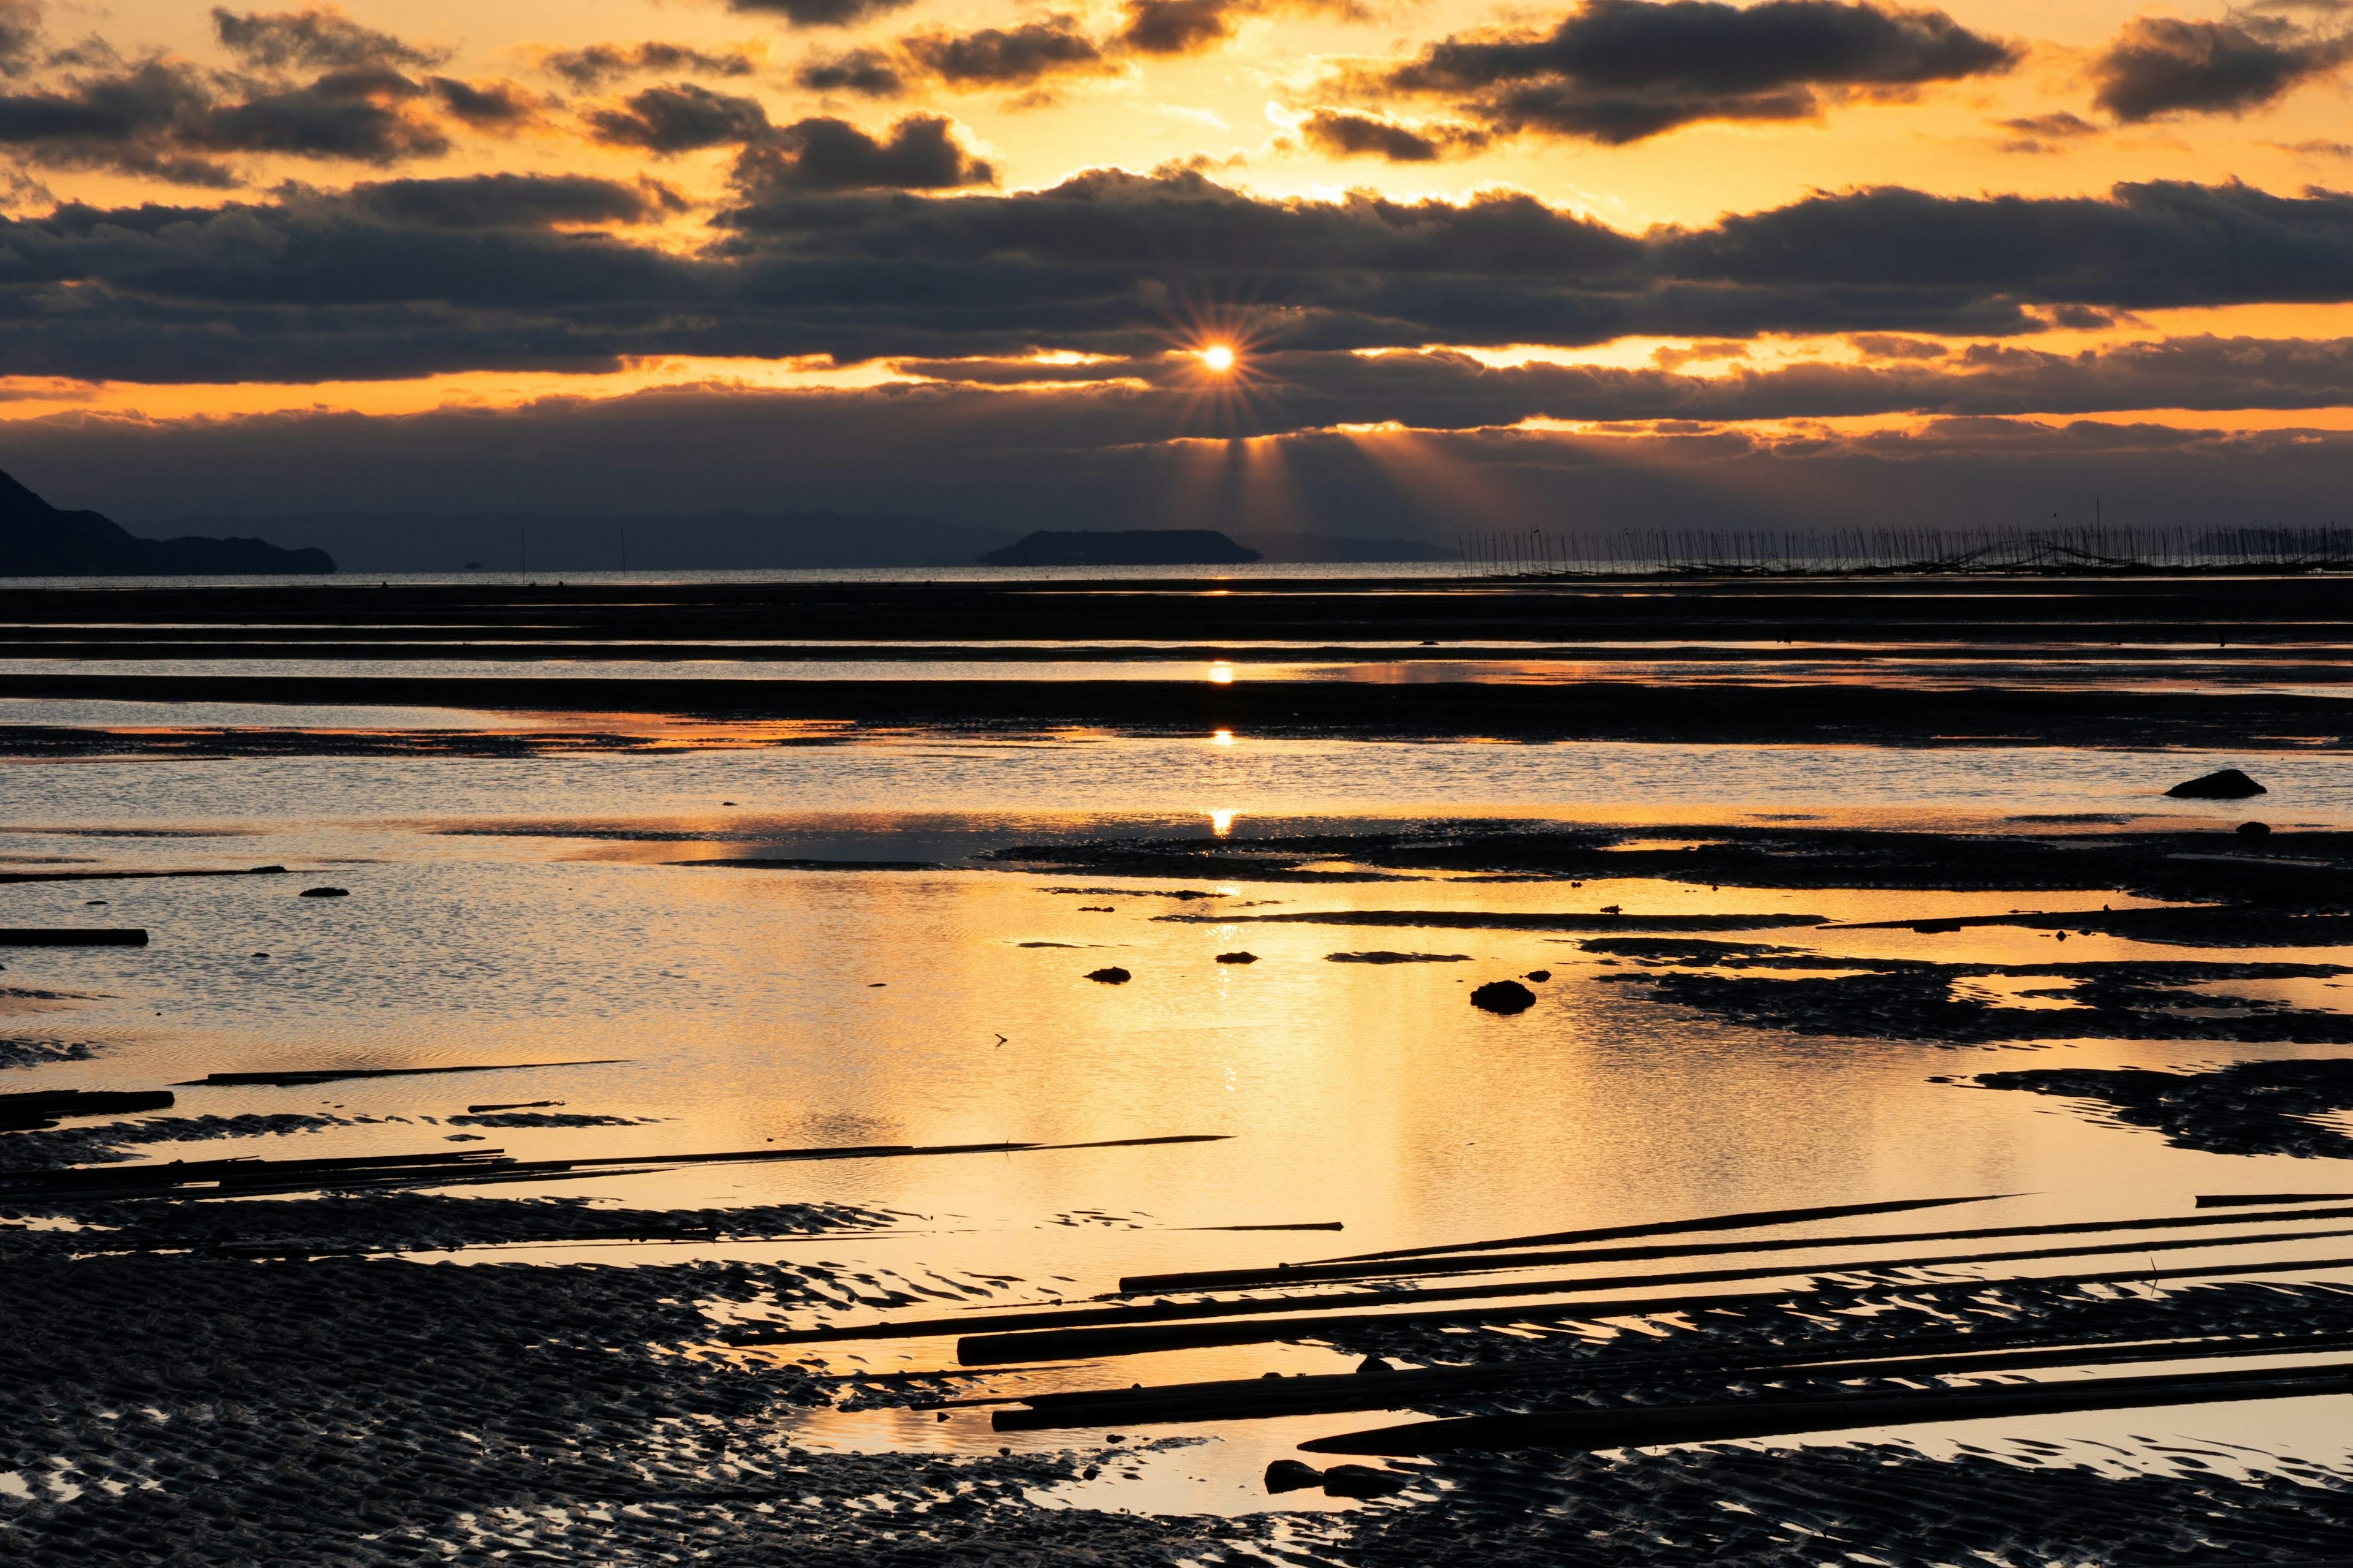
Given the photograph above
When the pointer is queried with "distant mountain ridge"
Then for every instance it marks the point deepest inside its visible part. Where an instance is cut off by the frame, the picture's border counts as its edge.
(555, 544)
(38, 540)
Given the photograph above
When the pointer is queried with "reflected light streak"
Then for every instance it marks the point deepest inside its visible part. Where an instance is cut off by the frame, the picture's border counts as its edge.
(1221, 822)
(1222, 674)
(1222, 738)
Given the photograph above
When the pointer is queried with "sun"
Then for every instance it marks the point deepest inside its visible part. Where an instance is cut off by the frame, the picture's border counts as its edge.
(1218, 357)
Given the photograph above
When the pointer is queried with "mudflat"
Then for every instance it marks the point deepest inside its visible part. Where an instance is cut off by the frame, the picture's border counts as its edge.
(702, 1126)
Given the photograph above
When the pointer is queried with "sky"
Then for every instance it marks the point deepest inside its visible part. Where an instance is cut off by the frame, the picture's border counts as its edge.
(1371, 267)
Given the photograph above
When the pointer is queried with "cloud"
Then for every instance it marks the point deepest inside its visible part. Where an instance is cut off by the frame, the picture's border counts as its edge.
(1072, 459)
(1886, 345)
(681, 118)
(920, 153)
(2161, 66)
(869, 73)
(1180, 26)
(820, 153)
(510, 201)
(495, 106)
(1617, 71)
(166, 118)
(323, 39)
(820, 13)
(1009, 57)
(1343, 133)
(127, 120)
(2045, 132)
(366, 114)
(599, 65)
(20, 35)
(823, 253)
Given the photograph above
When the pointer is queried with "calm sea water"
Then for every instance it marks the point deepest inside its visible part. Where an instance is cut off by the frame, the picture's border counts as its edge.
(528, 910)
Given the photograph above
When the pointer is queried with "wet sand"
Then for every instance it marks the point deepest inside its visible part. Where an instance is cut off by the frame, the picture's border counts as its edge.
(1016, 1357)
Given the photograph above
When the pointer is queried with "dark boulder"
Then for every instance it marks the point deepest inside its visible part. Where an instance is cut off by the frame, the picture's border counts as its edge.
(1114, 976)
(324, 893)
(1362, 1481)
(2228, 785)
(1538, 976)
(1238, 958)
(2254, 829)
(1290, 1475)
(1503, 996)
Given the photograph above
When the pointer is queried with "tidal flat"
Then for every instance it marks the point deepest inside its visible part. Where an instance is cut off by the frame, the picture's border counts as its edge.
(710, 1131)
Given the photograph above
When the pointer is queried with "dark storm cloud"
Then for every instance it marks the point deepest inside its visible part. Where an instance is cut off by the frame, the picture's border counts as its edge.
(2161, 66)
(920, 153)
(1009, 57)
(826, 253)
(1345, 134)
(820, 13)
(1616, 71)
(1060, 459)
(508, 201)
(682, 119)
(869, 73)
(600, 64)
(323, 39)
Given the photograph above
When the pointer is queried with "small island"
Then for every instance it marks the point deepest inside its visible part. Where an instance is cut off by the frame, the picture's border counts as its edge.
(1128, 547)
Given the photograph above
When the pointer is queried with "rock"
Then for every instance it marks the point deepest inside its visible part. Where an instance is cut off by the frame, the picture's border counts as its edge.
(2228, 785)
(1238, 958)
(1538, 976)
(1503, 996)
(1290, 1475)
(1374, 1364)
(1362, 1481)
(324, 893)
(2254, 829)
(1114, 976)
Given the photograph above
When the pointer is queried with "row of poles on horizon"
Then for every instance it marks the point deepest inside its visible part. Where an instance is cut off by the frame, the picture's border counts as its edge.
(1727, 553)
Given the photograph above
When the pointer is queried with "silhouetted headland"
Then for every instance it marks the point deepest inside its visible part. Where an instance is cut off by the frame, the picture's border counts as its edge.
(38, 540)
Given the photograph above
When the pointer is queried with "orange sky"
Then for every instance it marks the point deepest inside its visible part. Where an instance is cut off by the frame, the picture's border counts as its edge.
(1239, 101)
